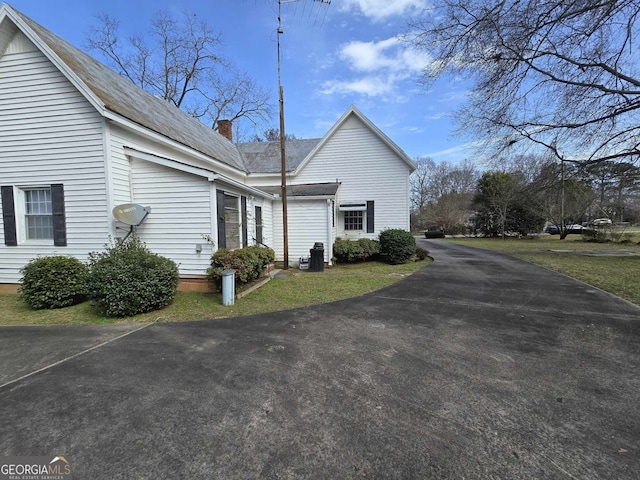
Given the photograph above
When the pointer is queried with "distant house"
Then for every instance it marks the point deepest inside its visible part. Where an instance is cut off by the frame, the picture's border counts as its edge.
(77, 140)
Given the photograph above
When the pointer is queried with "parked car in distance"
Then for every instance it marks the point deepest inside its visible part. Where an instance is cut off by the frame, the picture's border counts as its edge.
(599, 222)
(571, 228)
(434, 232)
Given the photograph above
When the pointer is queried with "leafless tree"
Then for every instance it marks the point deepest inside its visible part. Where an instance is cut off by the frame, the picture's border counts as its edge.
(563, 74)
(180, 61)
(561, 197)
(441, 193)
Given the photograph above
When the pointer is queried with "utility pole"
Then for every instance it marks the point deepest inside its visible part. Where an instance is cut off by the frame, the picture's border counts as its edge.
(283, 161)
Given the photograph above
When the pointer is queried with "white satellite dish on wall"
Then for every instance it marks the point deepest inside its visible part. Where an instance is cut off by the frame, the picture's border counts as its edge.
(131, 213)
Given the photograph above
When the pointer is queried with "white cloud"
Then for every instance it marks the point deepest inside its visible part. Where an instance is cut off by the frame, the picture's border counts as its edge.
(389, 54)
(369, 86)
(378, 10)
(369, 56)
(436, 116)
(454, 152)
(378, 68)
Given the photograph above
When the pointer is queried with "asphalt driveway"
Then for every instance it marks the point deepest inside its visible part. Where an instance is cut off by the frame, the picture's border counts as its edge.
(477, 366)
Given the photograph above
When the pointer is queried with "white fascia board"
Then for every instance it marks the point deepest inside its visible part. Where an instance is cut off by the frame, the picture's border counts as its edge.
(91, 97)
(167, 162)
(147, 132)
(254, 191)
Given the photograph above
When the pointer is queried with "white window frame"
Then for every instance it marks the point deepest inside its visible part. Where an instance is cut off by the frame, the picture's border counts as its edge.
(20, 199)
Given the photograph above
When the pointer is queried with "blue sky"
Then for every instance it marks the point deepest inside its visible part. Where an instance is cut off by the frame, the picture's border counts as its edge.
(332, 56)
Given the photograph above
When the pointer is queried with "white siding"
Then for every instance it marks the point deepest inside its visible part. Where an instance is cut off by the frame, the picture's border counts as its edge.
(49, 133)
(120, 167)
(180, 214)
(307, 221)
(120, 164)
(160, 146)
(267, 221)
(368, 170)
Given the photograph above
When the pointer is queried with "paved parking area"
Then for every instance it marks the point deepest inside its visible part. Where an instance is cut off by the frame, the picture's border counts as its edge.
(477, 366)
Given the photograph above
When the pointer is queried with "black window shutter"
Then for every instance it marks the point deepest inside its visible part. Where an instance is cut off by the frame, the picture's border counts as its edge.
(245, 233)
(59, 220)
(222, 234)
(258, 224)
(370, 217)
(9, 217)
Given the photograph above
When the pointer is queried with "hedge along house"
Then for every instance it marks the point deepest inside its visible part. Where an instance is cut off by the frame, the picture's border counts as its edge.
(77, 140)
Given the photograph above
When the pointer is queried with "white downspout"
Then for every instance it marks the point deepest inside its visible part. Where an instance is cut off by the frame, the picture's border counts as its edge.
(329, 232)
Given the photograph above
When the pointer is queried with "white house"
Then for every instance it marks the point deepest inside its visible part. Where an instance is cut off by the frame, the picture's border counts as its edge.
(77, 140)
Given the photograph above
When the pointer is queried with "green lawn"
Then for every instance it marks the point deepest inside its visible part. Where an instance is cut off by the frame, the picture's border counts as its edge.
(619, 275)
(300, 288)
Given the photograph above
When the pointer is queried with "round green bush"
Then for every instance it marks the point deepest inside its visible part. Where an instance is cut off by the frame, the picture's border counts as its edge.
(53, 282)
(248, 262)
(128, 279)
(346, 251)
(397, 245)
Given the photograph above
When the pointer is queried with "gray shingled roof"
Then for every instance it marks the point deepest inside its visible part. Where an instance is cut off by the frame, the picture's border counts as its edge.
(264, 157)
(306, 190)
(121, 96)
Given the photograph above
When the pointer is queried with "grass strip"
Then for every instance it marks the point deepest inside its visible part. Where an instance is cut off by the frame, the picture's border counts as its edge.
(299, 288)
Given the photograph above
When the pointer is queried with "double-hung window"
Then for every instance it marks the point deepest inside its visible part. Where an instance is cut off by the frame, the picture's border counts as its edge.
(34, 214)
(38, 214)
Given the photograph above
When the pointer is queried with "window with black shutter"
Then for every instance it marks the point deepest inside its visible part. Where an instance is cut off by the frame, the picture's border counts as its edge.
(245, 232)
(258, 218)
(59, 219)
(34, 214)
(370, 217)
(9, 216)
(222, 238)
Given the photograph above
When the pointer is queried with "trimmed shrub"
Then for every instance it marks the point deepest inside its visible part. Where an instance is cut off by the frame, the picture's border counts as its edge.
(248, 262)
(128, 279)
(346, 251)
(422, 253)
(53, 282)
(397, 245)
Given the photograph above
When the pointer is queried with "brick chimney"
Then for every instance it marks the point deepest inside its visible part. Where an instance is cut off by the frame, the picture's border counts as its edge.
(225, 129)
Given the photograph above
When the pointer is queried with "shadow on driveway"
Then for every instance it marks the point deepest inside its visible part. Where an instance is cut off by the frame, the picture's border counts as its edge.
(476, 366)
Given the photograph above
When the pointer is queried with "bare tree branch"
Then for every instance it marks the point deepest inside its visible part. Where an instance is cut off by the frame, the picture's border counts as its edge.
(561, 74)
(180, 61)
